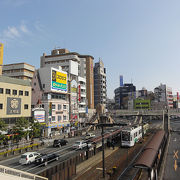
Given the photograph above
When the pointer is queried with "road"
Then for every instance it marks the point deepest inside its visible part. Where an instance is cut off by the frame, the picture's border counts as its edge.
(172, 165)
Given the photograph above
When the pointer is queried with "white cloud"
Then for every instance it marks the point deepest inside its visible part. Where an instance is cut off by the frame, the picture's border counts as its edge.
(11, 32)
(24, 28)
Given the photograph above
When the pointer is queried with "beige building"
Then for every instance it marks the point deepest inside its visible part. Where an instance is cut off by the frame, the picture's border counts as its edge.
(15, 99)
(18, 70)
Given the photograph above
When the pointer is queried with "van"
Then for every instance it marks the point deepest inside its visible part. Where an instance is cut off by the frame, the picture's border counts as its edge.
(28, 157)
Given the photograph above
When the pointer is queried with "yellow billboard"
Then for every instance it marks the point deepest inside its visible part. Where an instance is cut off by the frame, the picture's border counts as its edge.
(1, 53)
(59, 81)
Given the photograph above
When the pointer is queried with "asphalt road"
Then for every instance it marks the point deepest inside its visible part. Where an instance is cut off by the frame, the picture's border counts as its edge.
(172, 165)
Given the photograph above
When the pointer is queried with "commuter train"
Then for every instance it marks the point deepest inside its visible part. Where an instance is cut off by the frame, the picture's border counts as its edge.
(131, 134)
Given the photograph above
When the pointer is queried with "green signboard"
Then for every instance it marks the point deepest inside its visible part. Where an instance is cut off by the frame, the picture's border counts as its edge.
(142, 104)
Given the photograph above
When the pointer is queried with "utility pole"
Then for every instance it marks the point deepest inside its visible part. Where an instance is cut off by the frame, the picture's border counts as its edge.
(103, 159)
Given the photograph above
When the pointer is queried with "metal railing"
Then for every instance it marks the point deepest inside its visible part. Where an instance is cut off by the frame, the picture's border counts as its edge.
(14, 172)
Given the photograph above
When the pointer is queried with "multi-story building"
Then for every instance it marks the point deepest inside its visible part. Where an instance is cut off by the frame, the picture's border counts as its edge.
(163, 94)
(50, 91)
(100, 95)
(80, 74)
(123, 94)
(19, 70)
(1, 57)
(15, 99)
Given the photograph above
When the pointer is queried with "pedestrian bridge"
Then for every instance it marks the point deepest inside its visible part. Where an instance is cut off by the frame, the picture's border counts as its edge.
(171, 112)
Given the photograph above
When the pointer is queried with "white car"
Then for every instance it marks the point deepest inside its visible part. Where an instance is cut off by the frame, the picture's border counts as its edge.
(28, 157)
(89, 135)
(79, 145)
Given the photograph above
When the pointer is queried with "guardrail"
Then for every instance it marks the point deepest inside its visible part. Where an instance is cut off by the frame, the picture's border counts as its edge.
(14, 172)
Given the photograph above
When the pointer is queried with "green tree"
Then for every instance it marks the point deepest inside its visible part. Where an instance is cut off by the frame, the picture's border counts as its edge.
(35, 129)
(21, 128)
(3, 127)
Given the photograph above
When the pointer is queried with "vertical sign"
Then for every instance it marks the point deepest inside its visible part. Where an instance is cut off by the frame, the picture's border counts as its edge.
(50, 109)
(177, 96)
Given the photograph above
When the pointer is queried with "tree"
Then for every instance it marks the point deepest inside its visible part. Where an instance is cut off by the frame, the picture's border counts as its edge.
(35, 129)
(21, 128)
(3, 127)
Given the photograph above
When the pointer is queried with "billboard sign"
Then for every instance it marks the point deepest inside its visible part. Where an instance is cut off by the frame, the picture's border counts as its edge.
(13, 106)
(1, 53)
(39, 116)
(142, 104)
(58, 81)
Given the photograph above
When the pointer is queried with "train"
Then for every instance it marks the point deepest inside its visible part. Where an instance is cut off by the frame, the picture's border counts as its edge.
(132, 134)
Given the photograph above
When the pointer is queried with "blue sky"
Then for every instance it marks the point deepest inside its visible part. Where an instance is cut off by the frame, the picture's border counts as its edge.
(139, 39)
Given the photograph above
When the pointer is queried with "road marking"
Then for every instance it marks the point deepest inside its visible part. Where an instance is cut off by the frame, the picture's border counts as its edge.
(175, 165)
(176, 154)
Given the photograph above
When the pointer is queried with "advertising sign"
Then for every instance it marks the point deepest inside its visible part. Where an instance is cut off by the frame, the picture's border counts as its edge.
(39, 116)
(142, 104)
(1, 53)
(59, 81)
(79, 93)
(13, 106)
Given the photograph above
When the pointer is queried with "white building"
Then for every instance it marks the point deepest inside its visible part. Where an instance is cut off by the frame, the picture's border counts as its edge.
(50, 91)
(75, 66)
(163, 94)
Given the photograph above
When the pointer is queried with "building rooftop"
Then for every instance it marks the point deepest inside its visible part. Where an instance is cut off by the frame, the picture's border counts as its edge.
(6, 79)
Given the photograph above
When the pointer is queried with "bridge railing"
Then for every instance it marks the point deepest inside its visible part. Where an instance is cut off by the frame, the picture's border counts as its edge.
(14, 172)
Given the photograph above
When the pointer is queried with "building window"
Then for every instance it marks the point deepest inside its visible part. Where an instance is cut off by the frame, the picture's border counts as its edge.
(64, 107)
(14, 92)
(26, 93)
(64, 118)
(26, 106)
(42, 106)
(59, 118)
(34, 84)
(43, 85)
(20, 93)
(53, 106)
(8, 91)
(1, 90)
(59, 106)
(53, 118)
(1, 106)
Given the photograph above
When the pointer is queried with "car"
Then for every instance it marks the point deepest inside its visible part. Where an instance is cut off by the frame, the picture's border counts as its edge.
(28, 157)
(59, 142)
(44, 159)
(79, 144)
(89, 135)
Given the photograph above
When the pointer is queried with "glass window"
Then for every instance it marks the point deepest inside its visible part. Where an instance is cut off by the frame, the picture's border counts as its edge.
(8, 91)
(64, 118)
(1, 90)
(20, 93)
(64, 106)
(14, 92)
(59, 106)
(26, 106)
(53, 118)
(59, 118)
(1, 106)
(53, 106)
(26, 93)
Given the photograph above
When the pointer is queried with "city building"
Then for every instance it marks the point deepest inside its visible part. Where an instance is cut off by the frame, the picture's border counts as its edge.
(19, 70)
(50, 92)
(1, 57)
(163, 95)
(80, 76)
(100, 92)
(15, 99)
(123, 94)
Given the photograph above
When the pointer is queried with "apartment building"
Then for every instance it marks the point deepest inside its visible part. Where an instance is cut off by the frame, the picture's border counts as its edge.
(15, 99)
(100, 92)
(19, 70)
(50, 91)
(163, 94)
